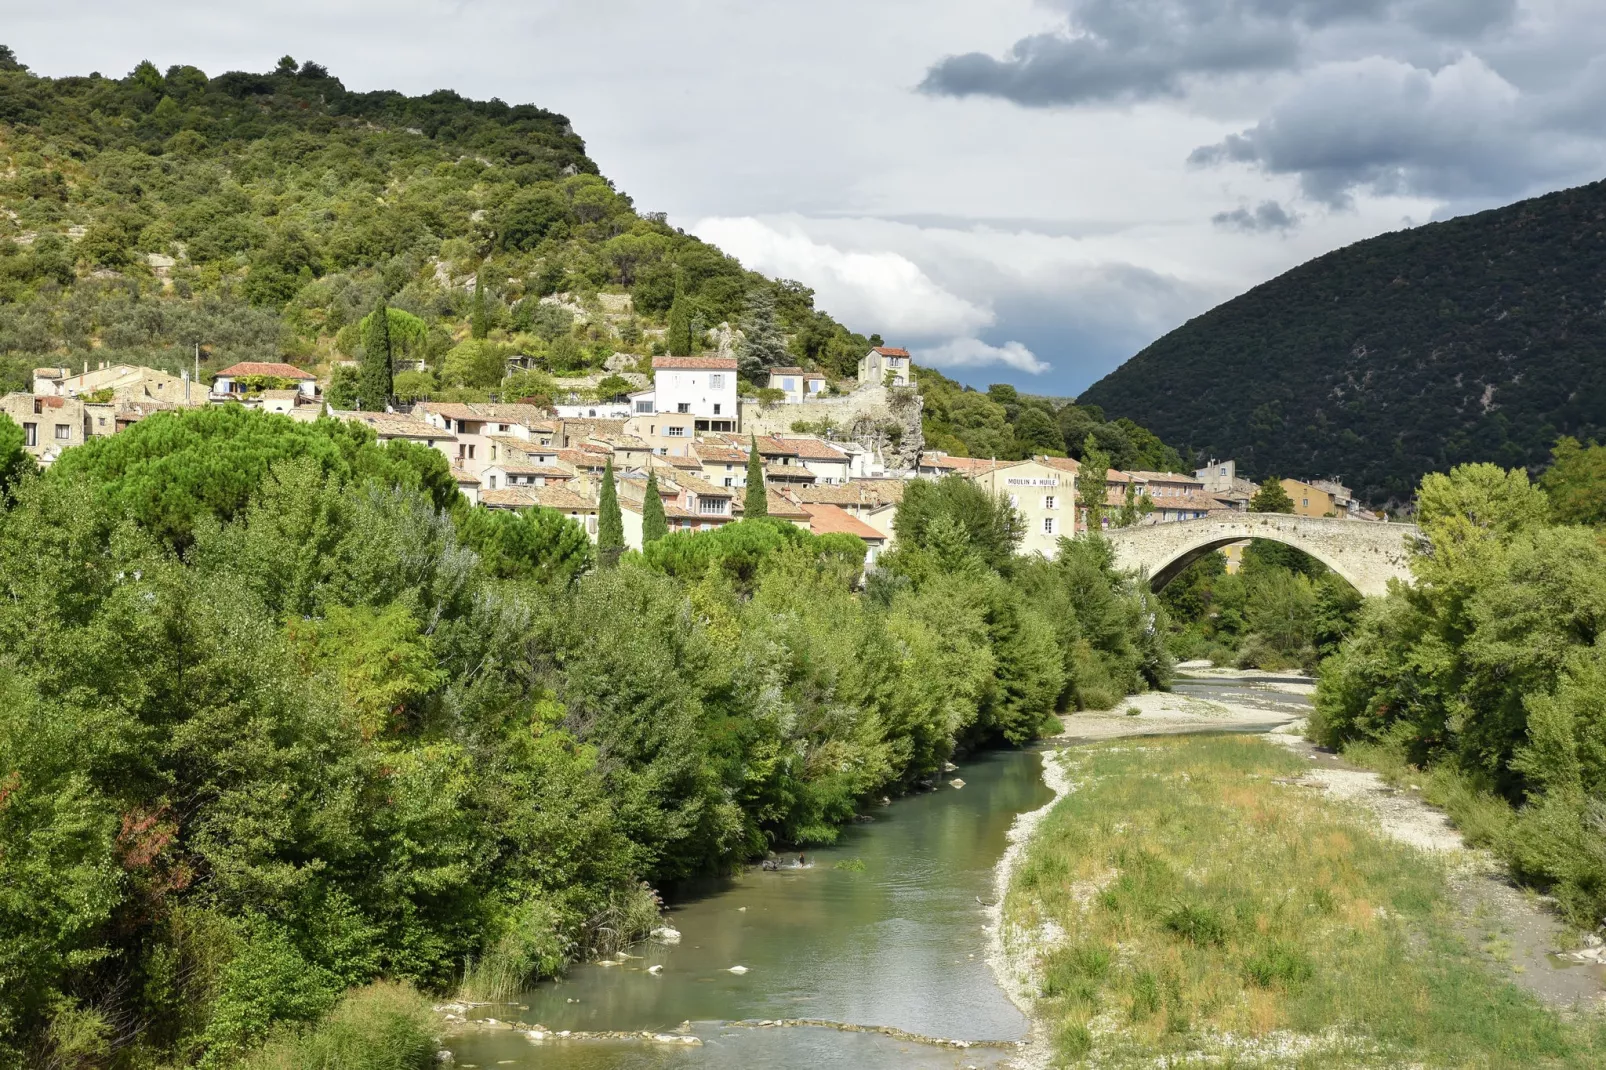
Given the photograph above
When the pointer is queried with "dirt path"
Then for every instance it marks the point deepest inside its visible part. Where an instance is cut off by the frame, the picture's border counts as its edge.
(1515, 930)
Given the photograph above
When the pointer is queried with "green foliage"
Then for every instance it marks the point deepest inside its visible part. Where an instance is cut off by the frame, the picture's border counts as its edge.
(756, 502)
(654, 526)
(679, 338)
(380, 1027)
(1576, 482)
(173, 471)
(290, 206)
(1092, 483)
(1271, 498)
(1489, 670)
(377, 362)
(934, 512)
(531, 544)
(762, 346)
(475, 363)
(610, 522)
(15, 461)
(1304, 373)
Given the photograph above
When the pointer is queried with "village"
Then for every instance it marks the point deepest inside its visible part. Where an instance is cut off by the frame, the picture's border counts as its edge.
(690, 430)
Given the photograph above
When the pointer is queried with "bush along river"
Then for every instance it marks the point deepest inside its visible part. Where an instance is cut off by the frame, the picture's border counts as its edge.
(871, 953)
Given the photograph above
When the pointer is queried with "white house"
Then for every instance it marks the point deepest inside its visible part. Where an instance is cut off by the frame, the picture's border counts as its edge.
(594, 410)
(229, 380)
(876, 365)
(703, 388)
(798, 385)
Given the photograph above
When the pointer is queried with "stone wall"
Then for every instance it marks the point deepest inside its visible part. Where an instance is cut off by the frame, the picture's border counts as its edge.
(873, 416)
(1365, 553)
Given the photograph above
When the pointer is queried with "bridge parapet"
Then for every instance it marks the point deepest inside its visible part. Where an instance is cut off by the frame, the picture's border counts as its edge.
(1366, 553)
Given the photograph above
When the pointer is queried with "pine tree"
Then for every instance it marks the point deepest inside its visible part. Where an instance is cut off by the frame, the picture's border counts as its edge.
(653, 524)
(680, 335)
(763, 346)
(756, 503)
(610, 522)
(375, 388)
(1091, 480)
(479, 320)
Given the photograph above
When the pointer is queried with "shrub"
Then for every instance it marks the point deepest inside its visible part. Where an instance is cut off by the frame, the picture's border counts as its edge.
(384, 1026)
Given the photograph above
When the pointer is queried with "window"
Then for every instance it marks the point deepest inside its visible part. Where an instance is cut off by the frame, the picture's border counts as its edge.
(716, 408)
(1048, 501)
(493, 481)
(1303, 501)
(716, 381)
(683, 407)
(728, 480)
(1048, 525)
(101, 420)
(30, 434)
(788, 385)
(711, 506)
(63, 432)
(644, 406)
(675, 432)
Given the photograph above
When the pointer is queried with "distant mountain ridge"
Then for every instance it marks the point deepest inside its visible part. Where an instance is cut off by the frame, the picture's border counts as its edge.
(1481, 338)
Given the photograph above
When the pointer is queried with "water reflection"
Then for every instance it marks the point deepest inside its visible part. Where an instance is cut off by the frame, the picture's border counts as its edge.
(898, 942)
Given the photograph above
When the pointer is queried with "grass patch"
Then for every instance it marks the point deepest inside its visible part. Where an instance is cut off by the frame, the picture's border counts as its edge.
(381, 1027)
(852, 865)
(1213, 913)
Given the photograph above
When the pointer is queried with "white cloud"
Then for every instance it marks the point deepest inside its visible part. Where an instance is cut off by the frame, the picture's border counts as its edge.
(870, 290)
(974, 353)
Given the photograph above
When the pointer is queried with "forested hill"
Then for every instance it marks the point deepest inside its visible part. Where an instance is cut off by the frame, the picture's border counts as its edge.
(1478, 339)
(259, 215)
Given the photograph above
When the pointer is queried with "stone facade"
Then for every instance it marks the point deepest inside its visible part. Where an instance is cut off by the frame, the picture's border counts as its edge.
(1365, 553)
(880, 419)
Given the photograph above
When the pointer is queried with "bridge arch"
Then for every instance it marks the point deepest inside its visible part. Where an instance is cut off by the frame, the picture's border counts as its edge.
(1365, 553)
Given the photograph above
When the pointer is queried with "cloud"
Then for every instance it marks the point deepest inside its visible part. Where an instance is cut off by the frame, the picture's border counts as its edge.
(1128, 50)
(1267, 216)
(872, 291)
(1389, 128)
(974, 353)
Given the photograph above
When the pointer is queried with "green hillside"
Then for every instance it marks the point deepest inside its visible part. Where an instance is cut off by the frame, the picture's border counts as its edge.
(1478, 339)
(262, 215)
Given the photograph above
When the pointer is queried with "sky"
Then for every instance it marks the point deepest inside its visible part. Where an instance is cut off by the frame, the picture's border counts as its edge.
(1021, 191)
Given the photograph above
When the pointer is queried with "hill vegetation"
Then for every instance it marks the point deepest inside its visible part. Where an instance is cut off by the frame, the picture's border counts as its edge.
(262, 217)
(1476, 339)
(1004, 424)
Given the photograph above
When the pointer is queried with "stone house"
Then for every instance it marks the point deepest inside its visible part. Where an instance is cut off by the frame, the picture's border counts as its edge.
(881, 362)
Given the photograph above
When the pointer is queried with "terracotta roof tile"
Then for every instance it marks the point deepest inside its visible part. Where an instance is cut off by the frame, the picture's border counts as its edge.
(259, 367)
(830, 520)
(889, 351)
(695, 363)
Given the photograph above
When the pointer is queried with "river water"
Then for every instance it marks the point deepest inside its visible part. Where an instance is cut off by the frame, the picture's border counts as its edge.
(886, 928)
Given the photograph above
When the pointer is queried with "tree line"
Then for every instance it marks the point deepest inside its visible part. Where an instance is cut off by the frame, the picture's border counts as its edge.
(281, 716)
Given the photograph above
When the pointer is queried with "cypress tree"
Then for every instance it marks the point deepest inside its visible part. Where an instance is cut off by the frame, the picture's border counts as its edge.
(1091, 481)
(479, 320)
(653, 524)
(756, 503)
(679, 323)
(610, 523)
(376, 373)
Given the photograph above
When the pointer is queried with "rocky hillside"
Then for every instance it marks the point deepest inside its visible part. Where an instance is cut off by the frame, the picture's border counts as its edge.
(1478, 339)
(262, 215)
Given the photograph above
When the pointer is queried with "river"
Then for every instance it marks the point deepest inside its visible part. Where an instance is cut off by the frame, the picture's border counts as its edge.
(885, 928)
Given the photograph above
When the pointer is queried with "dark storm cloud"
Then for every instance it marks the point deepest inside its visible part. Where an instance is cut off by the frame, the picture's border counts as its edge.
(1267, 216)
(1122, 50)
(1460, 133)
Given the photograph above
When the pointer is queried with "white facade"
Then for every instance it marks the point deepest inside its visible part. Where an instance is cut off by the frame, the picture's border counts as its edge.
(701, 387)
(595, 410)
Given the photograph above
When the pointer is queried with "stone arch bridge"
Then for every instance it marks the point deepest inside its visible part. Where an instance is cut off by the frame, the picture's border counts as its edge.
(1366, 553)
